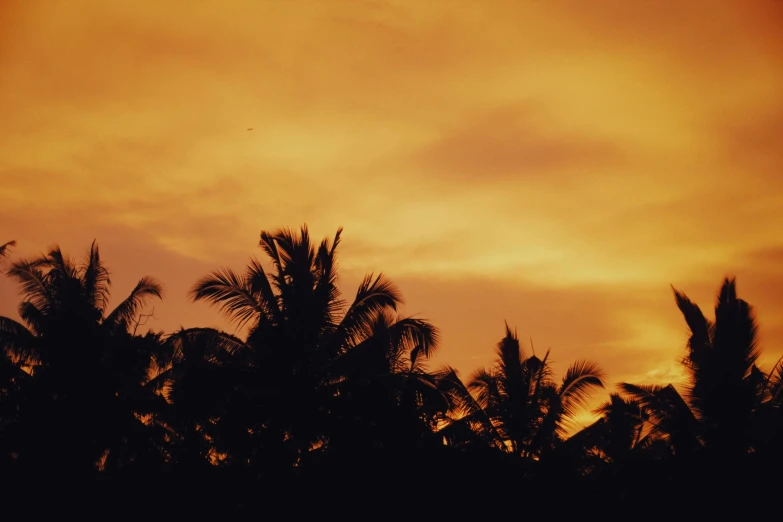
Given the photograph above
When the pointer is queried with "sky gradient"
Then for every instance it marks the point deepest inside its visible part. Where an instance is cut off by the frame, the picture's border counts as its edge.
(552, 164)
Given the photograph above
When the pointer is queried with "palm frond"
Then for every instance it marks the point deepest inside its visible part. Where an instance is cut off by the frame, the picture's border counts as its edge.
(414, 357)
(373, 297)
(700, 340)
(335, 241)
(95, 279)
(258, 285)
(608, 406)
(581, 378)
(298, 265)
(126, 311)
(644, 393)
(33, 316)
(671, 414)
(735, 333)
(17, 341)
(326, 291)
(452, 385)
(269, 245)
(32, 281)
(230, 292)
(543, 376)
(5, 248)
(509, 353)
(208, 343)
(484, 384)
(646, 442)
(61, 263)
(418, 334)
(472, 417)
(391, 344)
(293, 247)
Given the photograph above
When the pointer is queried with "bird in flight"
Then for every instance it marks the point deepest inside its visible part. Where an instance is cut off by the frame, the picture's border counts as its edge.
(250, 128)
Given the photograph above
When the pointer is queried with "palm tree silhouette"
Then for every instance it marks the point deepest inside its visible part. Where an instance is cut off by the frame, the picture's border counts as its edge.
(516, 405)
(622, 435)
(730, 405)
(320, 387)
(316, 373)
(85, 373)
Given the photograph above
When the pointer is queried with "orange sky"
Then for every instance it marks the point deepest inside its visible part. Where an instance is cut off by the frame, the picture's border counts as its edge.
(555, 164)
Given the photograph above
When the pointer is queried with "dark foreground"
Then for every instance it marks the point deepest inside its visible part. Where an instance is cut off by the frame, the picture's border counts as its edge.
(414, 486)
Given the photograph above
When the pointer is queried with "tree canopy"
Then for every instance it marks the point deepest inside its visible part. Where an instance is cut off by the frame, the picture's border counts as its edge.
(323, 386)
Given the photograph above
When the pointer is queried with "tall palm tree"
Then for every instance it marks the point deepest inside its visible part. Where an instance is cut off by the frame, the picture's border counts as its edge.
(85, 371)
(517, 405)
(727, 396)
(314, 361)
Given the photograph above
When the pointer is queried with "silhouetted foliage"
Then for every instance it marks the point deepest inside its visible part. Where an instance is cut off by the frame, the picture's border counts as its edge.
(730, 405)
(517, 406)
(77, 387)
(323, 394)
(314, 375)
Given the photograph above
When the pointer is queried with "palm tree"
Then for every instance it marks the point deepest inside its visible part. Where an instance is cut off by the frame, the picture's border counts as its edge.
(314, 364)
(517, 405)
(667, 416)
(84, 371)
(623, 433)
(728, 398)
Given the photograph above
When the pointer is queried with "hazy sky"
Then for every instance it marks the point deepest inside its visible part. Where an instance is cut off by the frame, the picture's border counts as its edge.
(554, 164)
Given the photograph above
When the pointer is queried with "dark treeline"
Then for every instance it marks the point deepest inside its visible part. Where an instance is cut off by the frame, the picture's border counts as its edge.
(325, 397)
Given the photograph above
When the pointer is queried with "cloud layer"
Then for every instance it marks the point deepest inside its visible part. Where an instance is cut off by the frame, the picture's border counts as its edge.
(542, 162)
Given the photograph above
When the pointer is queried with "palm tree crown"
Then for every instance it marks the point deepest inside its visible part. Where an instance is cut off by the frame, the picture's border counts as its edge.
(727, 397)
(315, 365)
(78, 355)
(517, 405)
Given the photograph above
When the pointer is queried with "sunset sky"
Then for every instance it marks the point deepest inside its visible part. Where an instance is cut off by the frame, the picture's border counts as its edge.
(554, 164)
